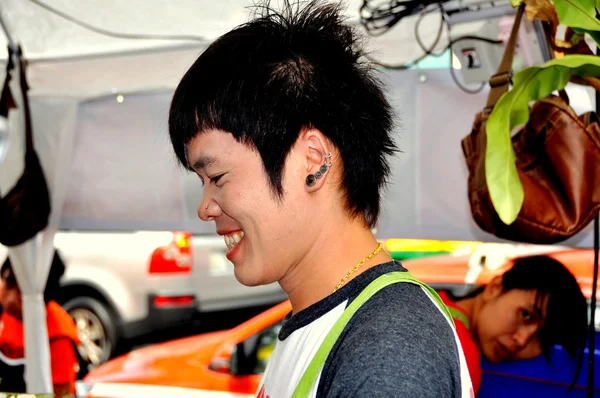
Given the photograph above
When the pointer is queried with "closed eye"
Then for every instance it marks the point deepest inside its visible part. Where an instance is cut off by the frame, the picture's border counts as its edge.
(216, 179)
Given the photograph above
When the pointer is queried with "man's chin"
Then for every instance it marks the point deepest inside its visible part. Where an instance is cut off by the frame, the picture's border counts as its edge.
(249, 279)
(249, 283)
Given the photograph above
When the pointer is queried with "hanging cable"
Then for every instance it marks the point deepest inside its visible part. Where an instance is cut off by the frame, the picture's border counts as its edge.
(426, 51)
(118, 35)
(429, 51)
(380, 18)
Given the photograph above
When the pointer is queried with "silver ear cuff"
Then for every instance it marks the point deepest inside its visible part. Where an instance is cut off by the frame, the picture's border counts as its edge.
(311, 179)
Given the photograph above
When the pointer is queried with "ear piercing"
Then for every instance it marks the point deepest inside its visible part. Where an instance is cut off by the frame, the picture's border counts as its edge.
(311, 179)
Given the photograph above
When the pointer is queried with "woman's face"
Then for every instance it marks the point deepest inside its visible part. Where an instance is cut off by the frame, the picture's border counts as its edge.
(10, 295)
(508, 323)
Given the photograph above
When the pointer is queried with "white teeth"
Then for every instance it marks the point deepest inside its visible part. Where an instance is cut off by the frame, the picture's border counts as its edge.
(233, 239)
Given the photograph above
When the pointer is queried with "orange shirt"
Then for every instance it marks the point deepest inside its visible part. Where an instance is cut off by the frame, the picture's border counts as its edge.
(63, 337)
(472, 354)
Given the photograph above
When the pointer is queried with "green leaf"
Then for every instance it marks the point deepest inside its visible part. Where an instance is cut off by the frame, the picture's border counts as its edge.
(581, 14)
(594, 34)
(512, 110)
(516, 3)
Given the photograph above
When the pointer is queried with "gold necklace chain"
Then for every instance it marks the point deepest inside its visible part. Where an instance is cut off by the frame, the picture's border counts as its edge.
(357, 266)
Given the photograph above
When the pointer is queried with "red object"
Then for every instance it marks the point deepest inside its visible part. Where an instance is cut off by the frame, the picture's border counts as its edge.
(472, 354)
(63, 337)
(174, 258)
(166, 301)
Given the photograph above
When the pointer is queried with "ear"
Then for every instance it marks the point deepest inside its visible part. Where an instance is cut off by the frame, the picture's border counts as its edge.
(493, 289)
(317, 151)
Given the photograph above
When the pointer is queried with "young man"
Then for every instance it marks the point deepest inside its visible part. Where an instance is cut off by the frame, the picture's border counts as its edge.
(289, 132)
(62, 334)
(520, 315)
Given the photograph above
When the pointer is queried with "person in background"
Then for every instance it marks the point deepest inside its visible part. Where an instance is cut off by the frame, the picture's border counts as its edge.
(521, 314)
(62, 333)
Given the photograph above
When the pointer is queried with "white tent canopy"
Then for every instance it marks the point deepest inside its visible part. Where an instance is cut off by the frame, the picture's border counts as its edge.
(54, 45)
(100, 105)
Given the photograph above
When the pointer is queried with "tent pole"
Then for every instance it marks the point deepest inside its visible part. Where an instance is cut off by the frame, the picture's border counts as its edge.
(592, 326)
(12, 40)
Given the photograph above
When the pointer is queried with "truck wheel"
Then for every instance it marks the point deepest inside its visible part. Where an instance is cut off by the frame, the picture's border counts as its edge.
(96, 327)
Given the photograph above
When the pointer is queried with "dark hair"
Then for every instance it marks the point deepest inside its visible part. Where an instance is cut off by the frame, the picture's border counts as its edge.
(566, 313)
(266, 80)
(57, 269)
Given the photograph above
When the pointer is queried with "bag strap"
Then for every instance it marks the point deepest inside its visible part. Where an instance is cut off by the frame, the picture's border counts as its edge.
(460, 316)
(500, 81)
(316, 364)
(25, 99)
(7, 101)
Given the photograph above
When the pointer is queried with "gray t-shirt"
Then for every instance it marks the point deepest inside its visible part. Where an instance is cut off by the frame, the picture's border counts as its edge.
(398, 344)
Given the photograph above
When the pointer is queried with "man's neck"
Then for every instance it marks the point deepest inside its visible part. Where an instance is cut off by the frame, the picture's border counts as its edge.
(329, 259)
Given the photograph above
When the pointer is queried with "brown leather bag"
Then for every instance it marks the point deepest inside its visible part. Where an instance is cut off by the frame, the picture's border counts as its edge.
(557, 158)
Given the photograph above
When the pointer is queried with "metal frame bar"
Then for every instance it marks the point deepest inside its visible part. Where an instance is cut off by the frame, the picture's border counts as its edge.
(465, 16)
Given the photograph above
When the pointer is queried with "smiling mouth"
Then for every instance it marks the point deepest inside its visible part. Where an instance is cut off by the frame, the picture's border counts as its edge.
(233, 239)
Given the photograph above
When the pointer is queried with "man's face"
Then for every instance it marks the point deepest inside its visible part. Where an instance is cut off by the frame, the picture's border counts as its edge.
(508, 326)
(10, 295)
(264, 234)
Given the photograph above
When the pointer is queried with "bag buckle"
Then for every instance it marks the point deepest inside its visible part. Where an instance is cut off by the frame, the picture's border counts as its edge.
(500, 79)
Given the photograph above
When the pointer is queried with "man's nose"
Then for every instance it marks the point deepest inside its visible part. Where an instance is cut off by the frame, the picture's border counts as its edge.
(208, 208)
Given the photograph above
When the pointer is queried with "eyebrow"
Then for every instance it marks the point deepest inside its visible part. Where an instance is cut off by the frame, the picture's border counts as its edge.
(203, 162)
